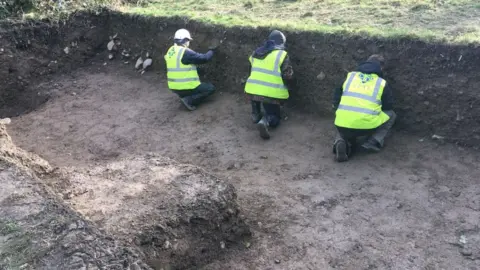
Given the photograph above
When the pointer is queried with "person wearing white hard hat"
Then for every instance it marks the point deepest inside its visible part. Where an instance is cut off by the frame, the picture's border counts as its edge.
(182, 73)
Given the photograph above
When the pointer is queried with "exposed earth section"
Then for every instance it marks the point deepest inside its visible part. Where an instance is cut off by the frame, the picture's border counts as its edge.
(415, 205)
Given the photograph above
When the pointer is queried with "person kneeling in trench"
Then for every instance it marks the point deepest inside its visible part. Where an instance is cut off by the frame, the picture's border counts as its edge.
(364, 108)
(265, 87)
(182, 73)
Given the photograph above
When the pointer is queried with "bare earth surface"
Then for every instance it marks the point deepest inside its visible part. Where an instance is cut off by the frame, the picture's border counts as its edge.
(416, 205)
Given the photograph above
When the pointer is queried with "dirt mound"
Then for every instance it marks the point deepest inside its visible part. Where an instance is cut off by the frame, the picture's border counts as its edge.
(179, 215)
(18, 157)
(37, 231)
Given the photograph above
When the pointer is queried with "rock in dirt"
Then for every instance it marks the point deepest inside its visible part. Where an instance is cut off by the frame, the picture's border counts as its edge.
(139, 63)
(321, 76)
(110, 45)
(5, 121)
(466, 252)
(147, 63)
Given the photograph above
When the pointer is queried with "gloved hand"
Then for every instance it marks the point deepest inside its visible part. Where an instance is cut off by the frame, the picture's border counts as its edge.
(213, 48)
(289, 73)
(215, 45)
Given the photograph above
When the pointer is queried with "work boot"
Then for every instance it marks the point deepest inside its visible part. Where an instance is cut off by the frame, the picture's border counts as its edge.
(371, 145)
(341, 151)
(256, 117)
(187, 102)
(262, 126)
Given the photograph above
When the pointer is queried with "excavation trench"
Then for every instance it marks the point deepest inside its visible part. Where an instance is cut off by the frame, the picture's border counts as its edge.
(110, 133)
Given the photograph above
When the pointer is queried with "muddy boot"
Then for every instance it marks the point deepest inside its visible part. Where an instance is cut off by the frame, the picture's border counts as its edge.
(256, 111)
(341, 151)
(371, 146)
(256, 117)
(187, 102)
(262, 126)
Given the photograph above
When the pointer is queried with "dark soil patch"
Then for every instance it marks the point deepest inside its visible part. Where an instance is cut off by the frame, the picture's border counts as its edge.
(31, 52)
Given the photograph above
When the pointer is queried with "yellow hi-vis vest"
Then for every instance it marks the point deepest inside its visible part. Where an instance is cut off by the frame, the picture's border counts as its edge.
(266, 77)
(361, 103)
(180, 76)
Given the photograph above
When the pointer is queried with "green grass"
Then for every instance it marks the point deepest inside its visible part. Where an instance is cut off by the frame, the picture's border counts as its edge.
(8, 227)
(453, 21)
(15, 245)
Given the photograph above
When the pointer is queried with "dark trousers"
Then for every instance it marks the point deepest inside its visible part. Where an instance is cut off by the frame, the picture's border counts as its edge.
(377, 134)
(197, 95)
(272, 112)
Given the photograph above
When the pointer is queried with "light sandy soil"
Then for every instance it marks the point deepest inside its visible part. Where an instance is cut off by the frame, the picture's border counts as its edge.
(416, 205)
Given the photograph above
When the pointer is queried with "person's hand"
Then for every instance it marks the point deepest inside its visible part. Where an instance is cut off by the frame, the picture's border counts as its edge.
(213, 48)
(215, 45)
(288, 73)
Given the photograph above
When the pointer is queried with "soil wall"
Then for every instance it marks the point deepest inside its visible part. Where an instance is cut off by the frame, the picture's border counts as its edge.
(435, 85)
(31, 51)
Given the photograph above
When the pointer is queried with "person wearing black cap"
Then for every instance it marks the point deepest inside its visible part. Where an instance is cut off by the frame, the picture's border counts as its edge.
(266, 85)
(363, 108)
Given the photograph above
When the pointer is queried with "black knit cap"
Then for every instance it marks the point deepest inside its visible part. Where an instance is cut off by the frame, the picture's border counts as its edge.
(278, 37)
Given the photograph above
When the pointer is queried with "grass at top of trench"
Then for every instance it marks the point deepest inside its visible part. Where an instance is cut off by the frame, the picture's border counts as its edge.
(449, 21)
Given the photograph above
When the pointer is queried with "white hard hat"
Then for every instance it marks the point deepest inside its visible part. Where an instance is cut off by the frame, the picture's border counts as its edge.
(182, 34)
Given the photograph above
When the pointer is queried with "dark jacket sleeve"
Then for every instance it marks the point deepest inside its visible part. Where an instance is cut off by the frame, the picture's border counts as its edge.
(286, 69)
(337, 96)
(387, 98)
(191, 57)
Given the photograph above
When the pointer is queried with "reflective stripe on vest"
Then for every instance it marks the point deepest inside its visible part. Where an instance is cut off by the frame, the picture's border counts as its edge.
(180, 76)
(361, 105)
(372, 98)
(265, 78)
(357, 109)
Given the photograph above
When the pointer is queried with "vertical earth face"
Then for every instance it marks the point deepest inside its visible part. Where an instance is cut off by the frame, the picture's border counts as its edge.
(116, 191)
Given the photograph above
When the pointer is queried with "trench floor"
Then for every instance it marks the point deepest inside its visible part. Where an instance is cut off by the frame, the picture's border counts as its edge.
(416, 205)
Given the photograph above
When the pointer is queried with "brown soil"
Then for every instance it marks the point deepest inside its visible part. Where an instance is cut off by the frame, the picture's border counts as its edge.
(415, 205)
(37, 231)
(180, 216)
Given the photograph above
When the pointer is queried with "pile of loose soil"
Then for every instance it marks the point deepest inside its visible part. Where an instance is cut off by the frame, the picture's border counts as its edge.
(170, 215)
(179, 215)
(38, 231)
